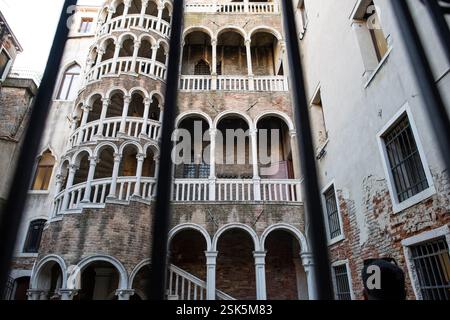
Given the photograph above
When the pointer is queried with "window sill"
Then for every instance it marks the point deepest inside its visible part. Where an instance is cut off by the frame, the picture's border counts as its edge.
(27, 255)
(336, 240)
(378, 68)
(424, 195)
(38, 192)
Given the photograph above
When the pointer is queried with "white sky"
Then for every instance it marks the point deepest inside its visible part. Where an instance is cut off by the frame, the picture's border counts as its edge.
(34, 24)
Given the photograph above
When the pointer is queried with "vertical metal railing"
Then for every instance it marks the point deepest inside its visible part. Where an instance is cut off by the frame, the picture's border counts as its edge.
(11, 213)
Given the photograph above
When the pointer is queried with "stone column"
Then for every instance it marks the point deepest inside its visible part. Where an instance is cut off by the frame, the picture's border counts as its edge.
(115, 175)
(144, 8)
(67, 294)
(84, 119)
(124, 294)
(140, 162)
(160, 13)
(136, 47)
(156, 158)
(116, 57)
(214, 65)
(59, 181)
(212, 163)
(285, 61)
(296, 162)
(246, 6)
(103, 116)
(111, 11)
(256, 177)
(260, 268)
(72, 170)
(123, 122)
(90, 178)
(251, 78)
(34, 294)
(100, 54)
(211, 260)
(127, 5)
(308, 265)
(155, 48)
(147, 103)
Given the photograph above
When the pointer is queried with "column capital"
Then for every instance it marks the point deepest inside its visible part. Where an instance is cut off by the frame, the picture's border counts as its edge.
(140, 157)
(155, 46)
(253, 132)
(148, 101)
(93, 160)
(124, 294)
(127, 99)
(73, 167)
(260, 257)
(117, 157)
(60, 177)
(293, 133)
(106, 100)
(160, 6)
(307, 259)
(214, 42)
(136, 45)
(86, 108)
(248, 42)
(211, 257)
(213, 132)
(67, 294)
(101, 51)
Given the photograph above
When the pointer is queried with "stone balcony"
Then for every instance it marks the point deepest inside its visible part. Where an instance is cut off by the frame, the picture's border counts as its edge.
(233, 7)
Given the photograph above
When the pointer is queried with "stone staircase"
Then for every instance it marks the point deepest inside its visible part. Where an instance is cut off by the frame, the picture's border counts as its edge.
(185, 286)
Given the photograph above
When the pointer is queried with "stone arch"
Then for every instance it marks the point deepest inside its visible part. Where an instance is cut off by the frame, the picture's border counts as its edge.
(189, 114)
(131, 143)
(125, 36)
(75, 157)
(231, 28)
(277, 114)
(114, 90)
(145, 36)
(42, 264)
(102, 145)
(153, 146)
(90, 99)
(199, 29)
(240, 114)
(137, 90)
(231, 226)
(286, 227)
(267, 29)
(123, 275)
(103, 43)
(136, 270)
(191, 226)
(159, 97)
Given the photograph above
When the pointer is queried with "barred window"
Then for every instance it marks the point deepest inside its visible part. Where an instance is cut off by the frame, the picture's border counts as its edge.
(343, 291)
(202, 68)
(34, 235)
(432, 264)
(196, 171)
(334, 225)
(404, 161)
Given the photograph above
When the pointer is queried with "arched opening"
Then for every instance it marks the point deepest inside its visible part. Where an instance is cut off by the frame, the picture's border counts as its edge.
(235, 273)
(115, 107)
(44, 171)
(83, 163)
(141, 282)
(21, 286)
(155, 108)
(110, 48)
(195, 161)
(197, 48)
(285, 275)
(231, 53)
(161, 54)
(233, 150)
(149, 166)
(167, 14)
(119, 10)
(105, 165)
(145, 50)
(78, 115)
(136, 7)
(96, 108)
(70, 83)
(187, 252)
(34, 236)
(152, 9)
(136, 107)
(50, 280)
(128, 165)
(99, 281)
(127, 48)
(64, 172)
(274, 149)
(266, 54)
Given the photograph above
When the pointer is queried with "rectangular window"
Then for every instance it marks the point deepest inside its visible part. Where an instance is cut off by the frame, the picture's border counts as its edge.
(342, 284)
(34, 235)
(320, 133)
(334, 225)
(404, 159)
(86, 25)
(432, 263)
(196, 171)
(4, 62)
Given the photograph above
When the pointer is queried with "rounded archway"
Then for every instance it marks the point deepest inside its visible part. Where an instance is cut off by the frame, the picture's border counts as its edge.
(99, 281)
(49, 279)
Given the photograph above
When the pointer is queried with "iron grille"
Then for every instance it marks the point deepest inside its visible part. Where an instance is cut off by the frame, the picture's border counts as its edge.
(332, 213)
(405, 162)
(343, 291)
(34, 235)
(196, 171)
(432, 263)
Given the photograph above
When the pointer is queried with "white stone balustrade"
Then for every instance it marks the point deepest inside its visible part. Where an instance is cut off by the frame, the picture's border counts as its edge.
(128, 22)
(233, 7)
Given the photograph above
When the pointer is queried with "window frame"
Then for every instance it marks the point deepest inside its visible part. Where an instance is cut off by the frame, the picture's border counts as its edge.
(25, 252)
(349, 278)
(8, 65)
(63, 77)
(36, 168)
(341, 237)
(423, 237)
(89, 22)
(423, 195)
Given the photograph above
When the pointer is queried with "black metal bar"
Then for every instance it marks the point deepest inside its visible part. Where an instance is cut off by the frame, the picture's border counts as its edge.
(436, 111)
(440, 24)
(12, 212)
(313, 204)
(162, 213)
